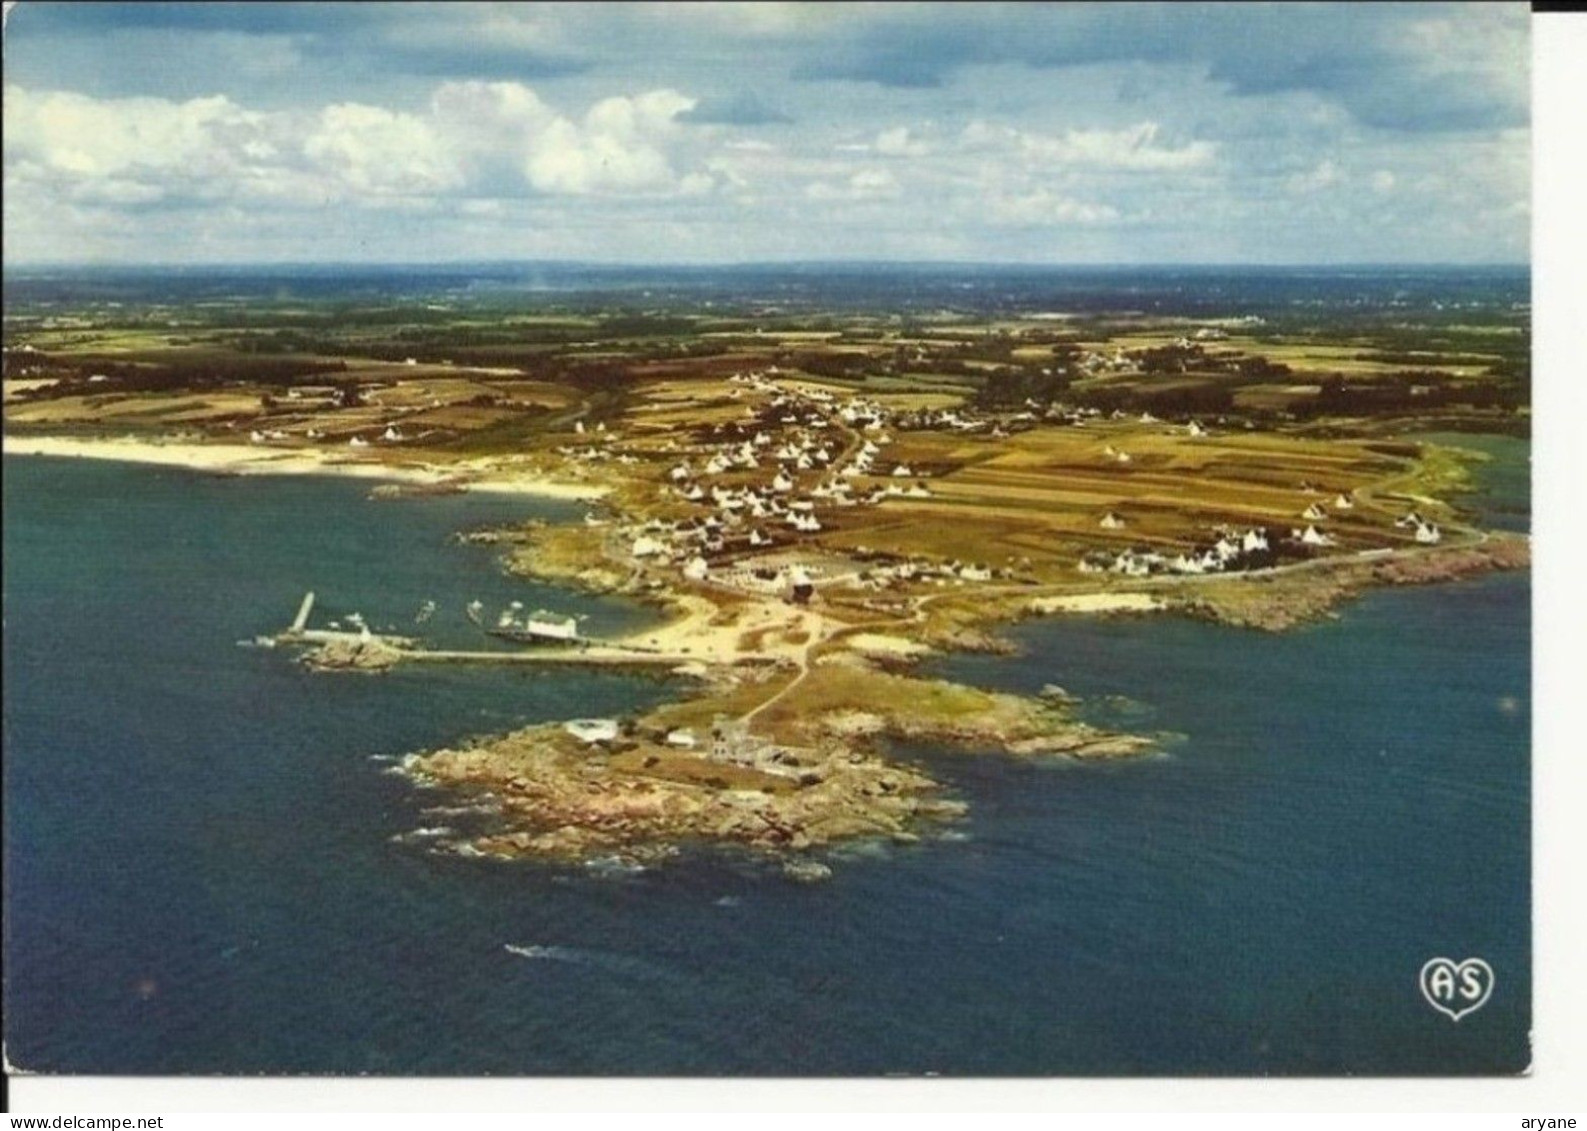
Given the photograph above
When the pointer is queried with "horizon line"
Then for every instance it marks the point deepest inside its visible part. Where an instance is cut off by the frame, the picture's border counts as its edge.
(1116, 265)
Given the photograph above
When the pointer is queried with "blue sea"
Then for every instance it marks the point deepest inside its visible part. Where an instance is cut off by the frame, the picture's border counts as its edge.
(201, 876)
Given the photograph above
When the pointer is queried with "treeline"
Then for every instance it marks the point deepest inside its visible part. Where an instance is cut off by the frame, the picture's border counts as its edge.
(839, 366)
(1009, 389)
(1182, 398)
(162, 377)
(1413, 392)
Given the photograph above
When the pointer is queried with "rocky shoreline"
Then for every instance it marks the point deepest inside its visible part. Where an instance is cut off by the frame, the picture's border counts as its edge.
(1275, 604)
(821, 774)
(812, 779)
(788, 775)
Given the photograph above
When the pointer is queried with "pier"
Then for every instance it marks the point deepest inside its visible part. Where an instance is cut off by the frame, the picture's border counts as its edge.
(609, 656)
(402, 649)
(301, 621)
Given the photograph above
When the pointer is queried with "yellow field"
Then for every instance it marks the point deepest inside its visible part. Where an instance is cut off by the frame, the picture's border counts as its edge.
(1042, 494)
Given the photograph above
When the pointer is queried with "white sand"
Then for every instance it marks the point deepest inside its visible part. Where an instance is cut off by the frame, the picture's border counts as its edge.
(877, 644)
(1098, 603)
(244, 459)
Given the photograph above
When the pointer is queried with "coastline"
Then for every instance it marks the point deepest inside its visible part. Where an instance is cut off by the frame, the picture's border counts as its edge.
(242, 459)
(782, 779)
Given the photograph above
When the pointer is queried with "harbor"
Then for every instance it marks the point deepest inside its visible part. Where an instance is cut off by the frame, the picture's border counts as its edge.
(363, 648)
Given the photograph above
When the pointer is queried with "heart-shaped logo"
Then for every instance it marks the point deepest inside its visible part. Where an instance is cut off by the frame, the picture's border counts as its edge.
(1456, 988)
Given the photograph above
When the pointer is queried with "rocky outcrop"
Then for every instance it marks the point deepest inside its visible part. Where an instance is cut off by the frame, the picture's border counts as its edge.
(1276, 603)
(366, 655)
(557, 800)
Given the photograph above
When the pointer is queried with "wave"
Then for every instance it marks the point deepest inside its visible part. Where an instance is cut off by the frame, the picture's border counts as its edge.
(602, 960)
(426, 832)
(560, 953)
(488, 809)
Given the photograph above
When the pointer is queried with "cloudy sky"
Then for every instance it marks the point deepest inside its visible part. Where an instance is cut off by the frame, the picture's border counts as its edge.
(722, 132)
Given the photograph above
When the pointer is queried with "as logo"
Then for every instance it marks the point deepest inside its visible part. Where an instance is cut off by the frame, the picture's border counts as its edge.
(1456, 988)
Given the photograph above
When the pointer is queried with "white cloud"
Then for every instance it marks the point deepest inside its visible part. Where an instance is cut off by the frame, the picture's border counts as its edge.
(621, 147)
(1325, 174)
(1043, 207)
(474, 138)
(79, 136)
(897, 142)
(867, 184)
(371, 150)
(1131, 148)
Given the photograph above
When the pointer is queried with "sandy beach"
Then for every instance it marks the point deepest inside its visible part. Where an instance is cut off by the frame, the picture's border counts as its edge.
(245, 459)
(1098, 603)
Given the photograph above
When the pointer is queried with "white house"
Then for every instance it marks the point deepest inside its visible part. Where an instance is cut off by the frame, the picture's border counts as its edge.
(592, 730)
(1343, 503)
(552, 627)
(1111, 521)
(1314, 513)
(696, 569)
(1428, 534)
(646, 547)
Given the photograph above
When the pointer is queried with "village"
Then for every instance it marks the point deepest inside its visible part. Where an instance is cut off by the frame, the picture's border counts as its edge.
(775, 499)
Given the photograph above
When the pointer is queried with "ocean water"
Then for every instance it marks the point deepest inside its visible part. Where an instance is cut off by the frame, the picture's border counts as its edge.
(200, 876)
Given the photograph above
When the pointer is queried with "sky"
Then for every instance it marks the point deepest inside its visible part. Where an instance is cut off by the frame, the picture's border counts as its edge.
(1064, 133)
